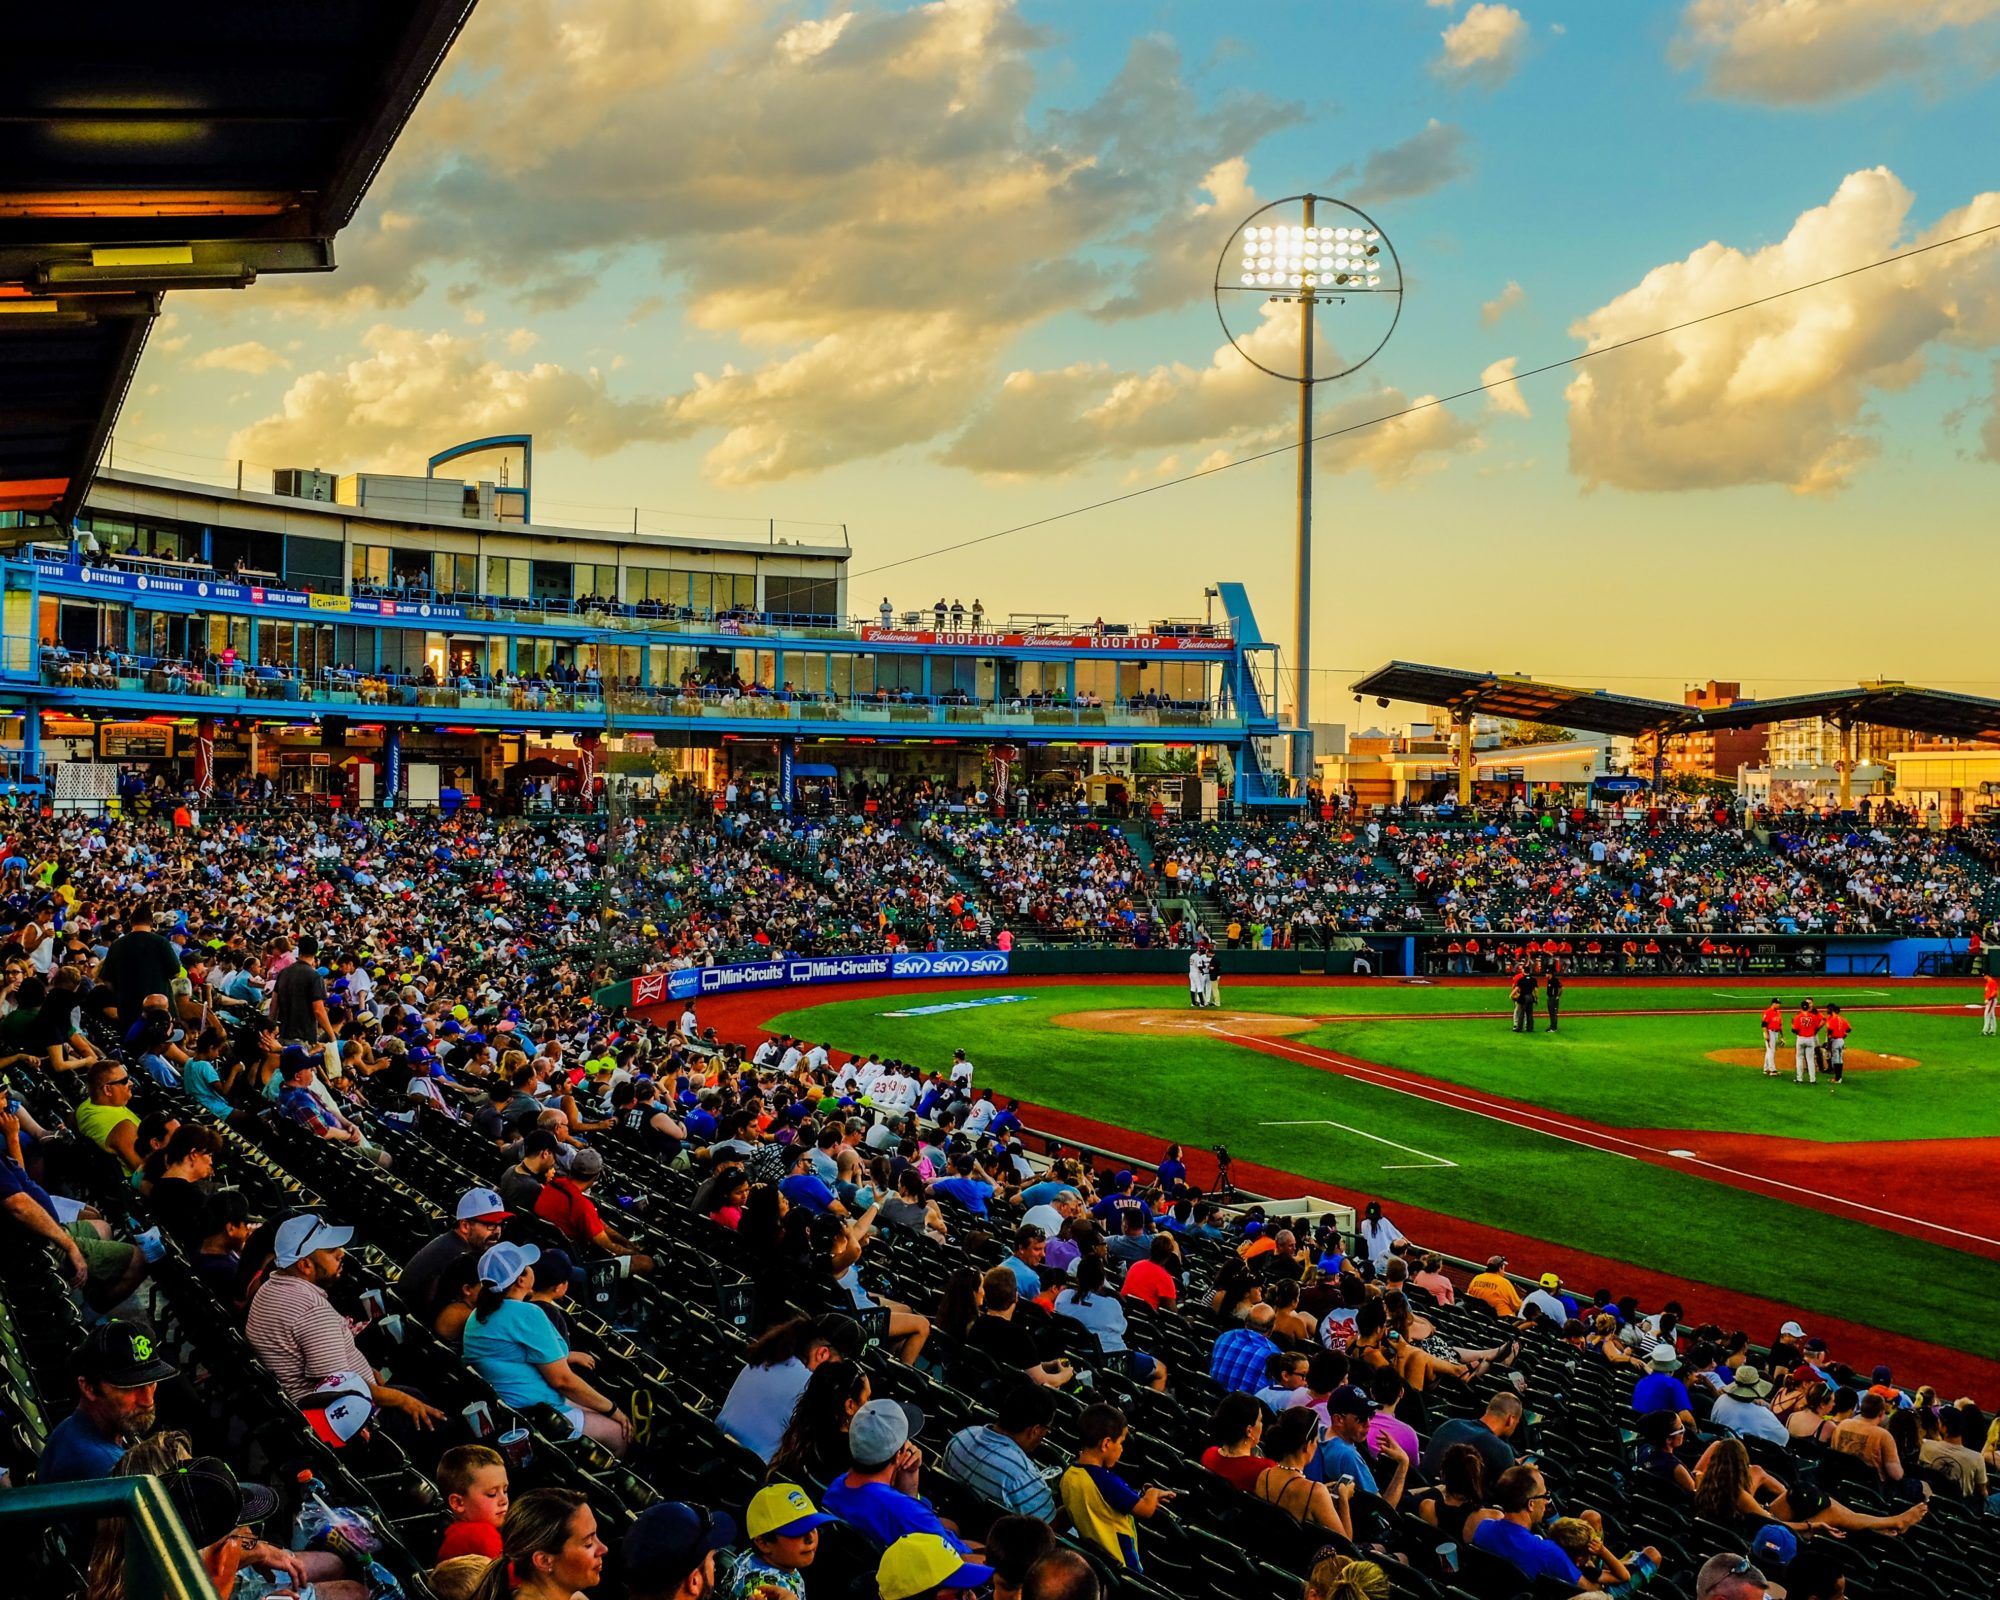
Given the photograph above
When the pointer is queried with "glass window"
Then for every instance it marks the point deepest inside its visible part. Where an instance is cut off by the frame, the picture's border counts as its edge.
(853, 676)
(596, 579)
(900, 672)
(1097, 678)
(370, 565)
(805, 671)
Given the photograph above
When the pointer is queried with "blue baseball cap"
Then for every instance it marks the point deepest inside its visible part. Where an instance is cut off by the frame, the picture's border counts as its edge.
(669, 1540)
(1775, 1545)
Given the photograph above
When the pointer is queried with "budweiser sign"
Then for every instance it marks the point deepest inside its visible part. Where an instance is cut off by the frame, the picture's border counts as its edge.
(1044, 641)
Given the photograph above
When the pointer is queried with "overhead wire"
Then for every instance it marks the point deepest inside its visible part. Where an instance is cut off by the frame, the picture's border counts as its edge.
(1432, 403)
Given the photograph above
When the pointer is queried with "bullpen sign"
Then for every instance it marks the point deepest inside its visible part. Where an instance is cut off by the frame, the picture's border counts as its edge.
(651, 988)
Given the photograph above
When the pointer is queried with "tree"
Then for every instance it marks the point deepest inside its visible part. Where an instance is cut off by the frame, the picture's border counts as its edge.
(1519, 733)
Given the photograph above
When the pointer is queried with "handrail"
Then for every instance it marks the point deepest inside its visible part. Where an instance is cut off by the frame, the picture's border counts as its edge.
(161, 1562)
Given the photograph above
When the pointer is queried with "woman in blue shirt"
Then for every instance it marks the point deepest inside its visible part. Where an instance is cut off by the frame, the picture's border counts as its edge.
(515, 1347)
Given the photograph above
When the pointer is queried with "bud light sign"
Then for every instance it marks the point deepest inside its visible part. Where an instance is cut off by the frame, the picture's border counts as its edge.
(795, 971)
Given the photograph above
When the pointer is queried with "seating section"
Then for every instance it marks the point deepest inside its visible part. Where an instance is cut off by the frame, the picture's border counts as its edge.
(1058, 882)
(1298, 880)
(1905, 879)
(668, 1346)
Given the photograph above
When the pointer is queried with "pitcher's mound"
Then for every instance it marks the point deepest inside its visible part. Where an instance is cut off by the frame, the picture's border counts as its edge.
(1857, 1060)
(1153, 1024)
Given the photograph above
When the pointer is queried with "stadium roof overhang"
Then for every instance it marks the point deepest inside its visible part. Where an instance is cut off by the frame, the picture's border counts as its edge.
(1882, 705)
(145, 148)
(1494, 694)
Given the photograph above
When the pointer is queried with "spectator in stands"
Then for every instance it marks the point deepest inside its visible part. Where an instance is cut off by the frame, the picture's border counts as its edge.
(1235, 1430)
(1741, 1408)
(1864, 1437)
(878, 1494)
(1001, 1333)
(118, 1373)
(1102, 1506)
(104, 1270)
(814, 1446)
(783, 1526)
(476, 1224)
(1431, 1279)
(138, 963)
(1031, 1247)
(1344, 1452)
(1523, 1502)
(473, 1480)
(1338, 1576)
(565, 1205)
(927, 1566)
(1949, 1456)
(1460, 1502)
(1817, 1572)
(1731, 1488)
(1660, 1389)
(106, 1118)
(552, 1551)
(996, 1460)
(1013, 1546)
(521, 1185)
(1496, 1288)
(1731, 1577)
(154, 1039)
(173, 1176)
(777, 1369)
(1086, 1302)
(1487, 1433)
(302, 1100)
(301, 1337)
(1285, 1380)
(1155, 1282)
(517, 1350)
(1237, 1359)
(836, 1247)
(1583, 1542)
(1290, 1442)
(219, 1252)
(1657, 1457)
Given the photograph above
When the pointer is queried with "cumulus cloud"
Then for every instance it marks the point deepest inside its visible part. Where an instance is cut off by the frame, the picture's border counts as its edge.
(1779, 394)
(815, 189)
(249, 356)
(1511, 298)
(1801, 51)
(1429, 159)
(1484, 45)
(1043, 423)
(1507, 400)
(385, 409)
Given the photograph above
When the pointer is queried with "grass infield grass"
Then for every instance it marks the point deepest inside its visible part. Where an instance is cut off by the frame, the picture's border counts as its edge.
(1632, 1072)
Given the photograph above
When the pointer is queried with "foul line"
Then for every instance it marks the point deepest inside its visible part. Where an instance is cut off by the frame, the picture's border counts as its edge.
(1589, 1138)
(1431, 1161)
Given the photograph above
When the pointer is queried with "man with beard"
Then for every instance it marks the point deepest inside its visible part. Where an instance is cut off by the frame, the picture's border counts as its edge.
(117, 1371)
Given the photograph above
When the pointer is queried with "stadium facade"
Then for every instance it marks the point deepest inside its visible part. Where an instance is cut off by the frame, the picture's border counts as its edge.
(370, 635)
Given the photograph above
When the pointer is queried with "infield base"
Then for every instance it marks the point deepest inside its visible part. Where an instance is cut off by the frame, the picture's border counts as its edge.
(1857, 1060)
(1153, 1024)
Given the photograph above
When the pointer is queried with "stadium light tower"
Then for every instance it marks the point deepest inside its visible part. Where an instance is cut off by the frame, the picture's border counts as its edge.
(1310, 251)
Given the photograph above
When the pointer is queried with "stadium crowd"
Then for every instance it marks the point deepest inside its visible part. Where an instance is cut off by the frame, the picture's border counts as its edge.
(1909, 880)
(338, 1176)
(1078, 881)
(1283, 883)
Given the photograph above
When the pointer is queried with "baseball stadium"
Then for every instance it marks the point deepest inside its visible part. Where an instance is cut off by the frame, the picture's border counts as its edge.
(552, 1057)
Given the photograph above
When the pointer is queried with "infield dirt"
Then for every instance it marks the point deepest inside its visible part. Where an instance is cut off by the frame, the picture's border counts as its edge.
(1166, 1020)
(1857, 1060)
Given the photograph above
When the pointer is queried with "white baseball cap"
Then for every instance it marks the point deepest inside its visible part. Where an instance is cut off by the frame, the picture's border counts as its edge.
(501, 1267)
(302, 1235)
(1792, 1330)
(482, 1205)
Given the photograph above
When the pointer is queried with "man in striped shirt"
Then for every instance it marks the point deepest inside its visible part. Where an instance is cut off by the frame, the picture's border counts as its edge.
(296, 1330)
(996, 1461)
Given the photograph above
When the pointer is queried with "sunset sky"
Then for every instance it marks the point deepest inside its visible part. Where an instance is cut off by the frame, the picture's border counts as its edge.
(931, 271)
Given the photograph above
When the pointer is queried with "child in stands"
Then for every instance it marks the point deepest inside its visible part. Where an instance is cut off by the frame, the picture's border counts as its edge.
(474, 1480)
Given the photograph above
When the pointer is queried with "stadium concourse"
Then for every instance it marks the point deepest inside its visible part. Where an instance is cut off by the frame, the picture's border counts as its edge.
(324, 1161)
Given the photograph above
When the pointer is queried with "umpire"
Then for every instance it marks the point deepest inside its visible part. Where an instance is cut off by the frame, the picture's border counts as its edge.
(1524, 1001)
(1552, 991)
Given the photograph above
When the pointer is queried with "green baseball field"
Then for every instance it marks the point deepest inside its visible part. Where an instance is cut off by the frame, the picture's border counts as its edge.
(1644, 1133)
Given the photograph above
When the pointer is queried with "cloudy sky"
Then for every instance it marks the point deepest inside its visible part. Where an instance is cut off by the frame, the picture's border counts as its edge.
(932, 271)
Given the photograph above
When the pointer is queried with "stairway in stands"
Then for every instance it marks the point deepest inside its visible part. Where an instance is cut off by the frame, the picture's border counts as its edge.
(1024, 932)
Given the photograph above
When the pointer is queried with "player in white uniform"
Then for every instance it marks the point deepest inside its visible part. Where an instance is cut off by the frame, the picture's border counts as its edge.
(1211, 980)
(961, 1072)
(1197, 979)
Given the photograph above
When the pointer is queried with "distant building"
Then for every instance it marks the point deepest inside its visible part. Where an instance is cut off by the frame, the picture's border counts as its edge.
(1815, 742)
(1718, 753)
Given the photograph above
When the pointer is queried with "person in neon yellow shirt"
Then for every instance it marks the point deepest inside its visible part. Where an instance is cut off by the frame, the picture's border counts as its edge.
(106, 1118)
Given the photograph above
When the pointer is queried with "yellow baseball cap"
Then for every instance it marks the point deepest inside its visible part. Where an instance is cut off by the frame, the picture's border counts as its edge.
(783, 1509)
(461, 1013)
(920, 1562)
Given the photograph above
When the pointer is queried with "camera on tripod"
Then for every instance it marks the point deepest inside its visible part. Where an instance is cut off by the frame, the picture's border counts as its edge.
(1223, 1184)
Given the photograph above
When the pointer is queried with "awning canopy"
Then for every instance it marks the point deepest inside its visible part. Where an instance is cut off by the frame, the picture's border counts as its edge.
(146, 148)
(1884, 705)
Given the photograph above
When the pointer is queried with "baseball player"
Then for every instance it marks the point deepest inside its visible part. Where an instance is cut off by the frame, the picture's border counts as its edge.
(1211, 981)
(1990, 999)
(1806, 1022)
(1774, 1034)
(1837, 1030)
(1197, 981)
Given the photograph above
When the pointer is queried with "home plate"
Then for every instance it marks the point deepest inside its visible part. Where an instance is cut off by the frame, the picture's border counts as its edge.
(1685, 1155)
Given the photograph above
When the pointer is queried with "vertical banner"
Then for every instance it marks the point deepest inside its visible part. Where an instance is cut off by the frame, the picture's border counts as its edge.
(788, 750)
(1003, 757)
(392, 766)
(204, 757)
(587, 746)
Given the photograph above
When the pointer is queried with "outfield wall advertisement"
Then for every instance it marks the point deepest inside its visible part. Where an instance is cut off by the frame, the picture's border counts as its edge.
(691, 983)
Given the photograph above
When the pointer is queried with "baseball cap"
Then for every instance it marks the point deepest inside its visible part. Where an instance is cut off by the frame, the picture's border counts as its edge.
(294, 1057)
(1883, 1376)
(783, 1509)
(917, 1563)
(338, 1408)
(1775, 1545)
(124, 1355)
(1792, 1330)
(586, 1163)
(880, 1429)
(1664, 1360)
(298, 1237)
(667, 1541)
(1495, 1263)
(482, 1205)
(1551, 1281)
(1349, 1401)
(555, 1270)
(502, 1265)
(211, 1502)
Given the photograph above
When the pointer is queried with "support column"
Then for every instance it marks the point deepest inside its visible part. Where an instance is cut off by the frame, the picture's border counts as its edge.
(1659, 759)
(1463, 730)
(1846, 764)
